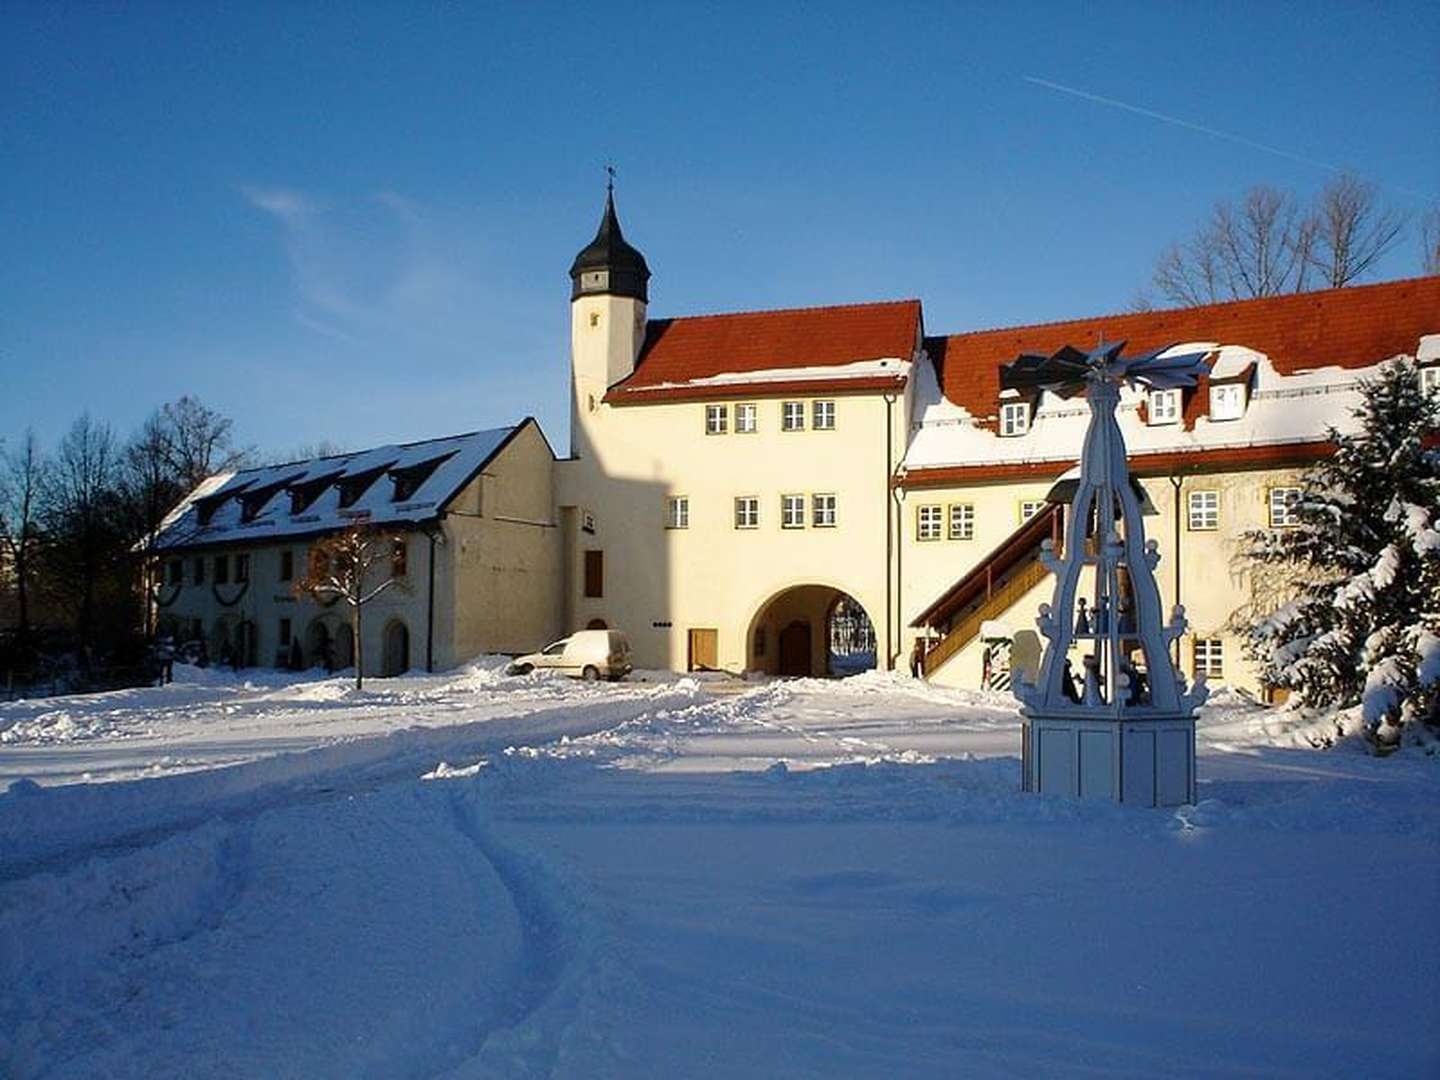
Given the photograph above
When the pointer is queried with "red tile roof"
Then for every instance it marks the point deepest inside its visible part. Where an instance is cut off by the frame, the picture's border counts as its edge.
(1352, 327)
(680, 350)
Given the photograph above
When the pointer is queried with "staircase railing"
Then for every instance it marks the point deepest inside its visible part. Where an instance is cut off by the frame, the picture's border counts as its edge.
(992, 586)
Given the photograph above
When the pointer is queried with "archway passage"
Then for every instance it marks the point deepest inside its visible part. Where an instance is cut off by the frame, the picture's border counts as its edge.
(397, 649)
(811, 630)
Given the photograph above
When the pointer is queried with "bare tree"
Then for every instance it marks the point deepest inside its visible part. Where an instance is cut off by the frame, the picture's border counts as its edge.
(1267, 243)
(150, 486)
(22, 482)
(1430, 240)
(200, 441)
(81, 504)
(1352, 230)
(355, 566)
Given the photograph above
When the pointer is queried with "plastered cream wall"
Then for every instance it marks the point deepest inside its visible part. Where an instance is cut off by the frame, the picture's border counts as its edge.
(712, 575)
(503, 543)
(265, 600)
(1212, 584)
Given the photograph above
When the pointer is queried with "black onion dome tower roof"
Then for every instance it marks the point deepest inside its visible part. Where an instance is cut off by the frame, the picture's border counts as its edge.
(608, 264)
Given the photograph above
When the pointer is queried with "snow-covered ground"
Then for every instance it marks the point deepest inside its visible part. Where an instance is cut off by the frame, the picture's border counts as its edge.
(472, 875)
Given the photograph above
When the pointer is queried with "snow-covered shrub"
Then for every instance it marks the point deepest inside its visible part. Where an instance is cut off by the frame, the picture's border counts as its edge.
(1362, 569)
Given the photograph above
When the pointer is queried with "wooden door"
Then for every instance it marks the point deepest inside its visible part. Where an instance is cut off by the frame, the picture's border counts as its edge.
(795, 649)
(704, 650)
(397, 649)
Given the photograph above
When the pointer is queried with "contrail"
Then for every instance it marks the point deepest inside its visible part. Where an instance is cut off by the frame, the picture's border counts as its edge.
(1164, 118)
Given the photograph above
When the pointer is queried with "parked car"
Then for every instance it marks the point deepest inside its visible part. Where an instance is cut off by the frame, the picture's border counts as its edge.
(585, 654)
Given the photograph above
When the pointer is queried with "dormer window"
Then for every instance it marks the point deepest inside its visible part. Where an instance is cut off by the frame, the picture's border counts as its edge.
(1014, 418)
(1164, 407)
(1430, 379)
(1227, 401)
(409, 479)
(352, 487)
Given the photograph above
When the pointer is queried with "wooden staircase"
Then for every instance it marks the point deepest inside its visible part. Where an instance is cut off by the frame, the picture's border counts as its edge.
(992, 586)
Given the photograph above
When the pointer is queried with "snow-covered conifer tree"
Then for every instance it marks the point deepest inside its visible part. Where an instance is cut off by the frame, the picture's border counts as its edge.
(1362, 625)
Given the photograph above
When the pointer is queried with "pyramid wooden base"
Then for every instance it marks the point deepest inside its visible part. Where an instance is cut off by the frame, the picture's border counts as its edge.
(1143, 762)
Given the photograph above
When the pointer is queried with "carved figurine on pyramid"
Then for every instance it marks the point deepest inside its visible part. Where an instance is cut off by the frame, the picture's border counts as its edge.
(1127, 732)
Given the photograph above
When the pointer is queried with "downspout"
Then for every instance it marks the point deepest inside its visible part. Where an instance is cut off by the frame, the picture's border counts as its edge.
(890, 651)
(1175, 484)
(430, 607)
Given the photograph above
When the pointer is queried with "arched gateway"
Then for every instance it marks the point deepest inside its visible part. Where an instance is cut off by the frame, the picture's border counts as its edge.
(814, 630)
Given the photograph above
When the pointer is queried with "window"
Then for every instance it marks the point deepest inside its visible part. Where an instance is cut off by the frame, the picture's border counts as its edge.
(1430, 379)
(1227, 402)
(287, 565)
(200, 570)
(1030, 507)
(177, 571)
(1283, 501)
(822, 416)
(1209, 657)
(399, 558)
(747, 512)
(677, 512)
(927, 523)
(962, 521)
(1014, 418)
(284, 631)
(747, 418)
(792, 511)
(242, 567)
(594, 574)
(792, 416)
(822, 511)
(1204, 511)
(222, 569)
(1164, 406)
(717, 419)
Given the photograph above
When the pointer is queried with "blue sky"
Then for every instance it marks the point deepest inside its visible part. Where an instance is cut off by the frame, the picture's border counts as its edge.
(353, 223)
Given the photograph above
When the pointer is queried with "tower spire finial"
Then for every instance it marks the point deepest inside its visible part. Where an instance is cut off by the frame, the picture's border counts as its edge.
(609, 179)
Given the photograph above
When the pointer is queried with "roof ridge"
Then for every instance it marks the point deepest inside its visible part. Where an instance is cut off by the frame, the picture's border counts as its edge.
(1247, 302)
(790, 310)
(372, 449)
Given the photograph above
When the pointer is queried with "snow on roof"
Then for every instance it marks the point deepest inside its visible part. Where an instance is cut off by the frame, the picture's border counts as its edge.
(305, 497)
(1281, 409)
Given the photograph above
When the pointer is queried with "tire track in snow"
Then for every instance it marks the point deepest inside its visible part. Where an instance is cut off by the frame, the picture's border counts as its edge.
(48, 830)
(549, 970)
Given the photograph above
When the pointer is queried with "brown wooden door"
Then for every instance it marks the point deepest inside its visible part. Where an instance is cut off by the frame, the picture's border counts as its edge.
(704, 650)
(795, 649)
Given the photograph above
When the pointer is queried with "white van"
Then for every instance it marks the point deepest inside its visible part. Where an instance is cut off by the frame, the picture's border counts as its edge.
(585, 654)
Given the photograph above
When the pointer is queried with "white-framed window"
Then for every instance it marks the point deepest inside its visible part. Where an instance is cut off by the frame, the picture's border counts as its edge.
(1283, 502)
(747, 418)
(1227, 401)
(1209, 654)
(717, 419)
(1164, 407)
(822, 511)
(747, 512)
(792, 416)
(1430, 379)
(1014, 417)
(962, 521)
(928, 522)
(822, 415)
(677, 512)
(1029, 508)
(1204, 511)
(792, 511)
